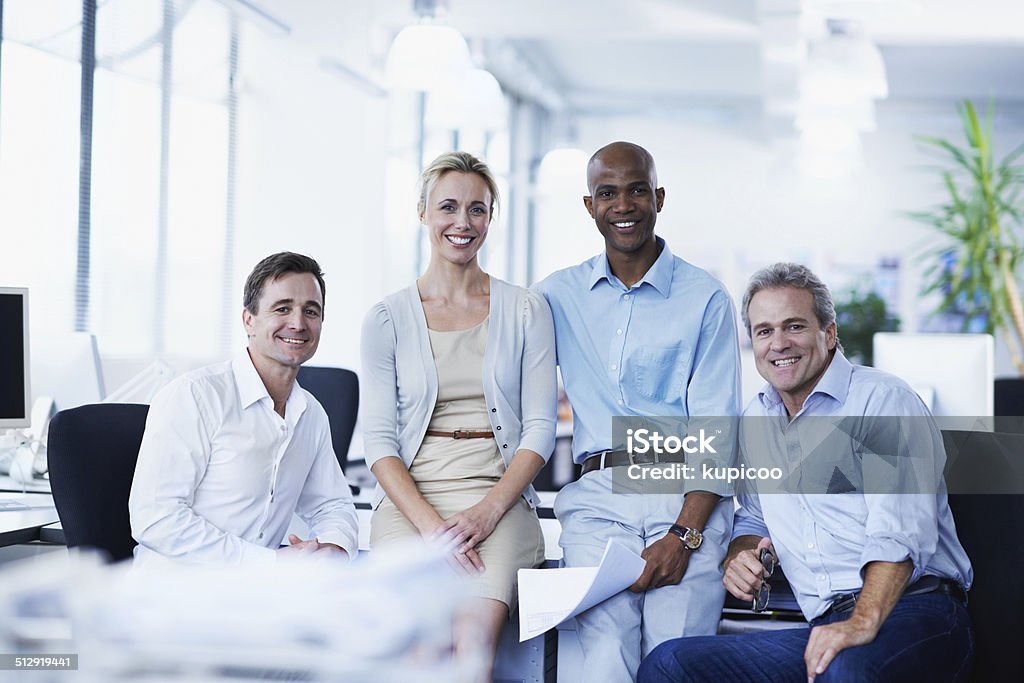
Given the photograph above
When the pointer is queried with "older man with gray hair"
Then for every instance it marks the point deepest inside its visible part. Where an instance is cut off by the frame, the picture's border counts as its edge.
(880, 576)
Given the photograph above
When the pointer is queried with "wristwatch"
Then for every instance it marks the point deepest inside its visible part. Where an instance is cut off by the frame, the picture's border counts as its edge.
(691, 538)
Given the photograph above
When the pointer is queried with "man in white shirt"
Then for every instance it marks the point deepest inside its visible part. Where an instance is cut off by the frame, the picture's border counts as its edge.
(232, 450)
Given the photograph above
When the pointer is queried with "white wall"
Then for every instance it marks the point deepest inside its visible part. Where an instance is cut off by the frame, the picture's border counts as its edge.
(734, 201)
(312, 151)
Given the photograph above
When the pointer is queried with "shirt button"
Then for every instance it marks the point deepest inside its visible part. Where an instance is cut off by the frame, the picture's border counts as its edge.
(821, 577)
(284, 428)
(625, 297)
(810, 546)
(614, 366)
(494, 410)
(504, 445)
(499, 428)
(261, 534)
(620, 401)
(618, 331)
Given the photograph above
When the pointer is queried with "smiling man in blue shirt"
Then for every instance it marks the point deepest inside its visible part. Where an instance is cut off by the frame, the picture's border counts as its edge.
(867, 541)
(640, 332)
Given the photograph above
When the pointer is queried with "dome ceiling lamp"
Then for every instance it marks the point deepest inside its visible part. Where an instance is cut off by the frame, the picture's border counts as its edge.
(428, 53)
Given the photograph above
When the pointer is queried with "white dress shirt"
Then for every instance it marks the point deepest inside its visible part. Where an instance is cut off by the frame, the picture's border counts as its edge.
(220, 473)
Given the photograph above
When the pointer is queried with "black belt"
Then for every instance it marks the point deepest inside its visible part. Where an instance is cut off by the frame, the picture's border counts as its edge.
(926, 584)
(604, 459)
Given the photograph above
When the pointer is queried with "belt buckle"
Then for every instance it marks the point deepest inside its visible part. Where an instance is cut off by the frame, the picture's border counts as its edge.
(458, 434)
(844, 603)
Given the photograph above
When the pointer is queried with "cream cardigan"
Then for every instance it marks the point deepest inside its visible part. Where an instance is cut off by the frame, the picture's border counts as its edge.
(398, 384)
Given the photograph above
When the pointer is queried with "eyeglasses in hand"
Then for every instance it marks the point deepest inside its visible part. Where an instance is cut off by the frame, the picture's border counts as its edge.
(768, 564)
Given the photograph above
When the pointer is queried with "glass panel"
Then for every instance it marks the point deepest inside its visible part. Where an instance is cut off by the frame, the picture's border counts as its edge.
(39, 105)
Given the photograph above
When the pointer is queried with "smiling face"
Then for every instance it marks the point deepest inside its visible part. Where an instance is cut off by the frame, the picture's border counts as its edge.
(791, 349)
(285, 330)
(624, 198)
(456, 214)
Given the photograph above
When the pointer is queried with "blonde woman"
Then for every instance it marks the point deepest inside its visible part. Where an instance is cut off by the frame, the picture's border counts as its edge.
(459, 398)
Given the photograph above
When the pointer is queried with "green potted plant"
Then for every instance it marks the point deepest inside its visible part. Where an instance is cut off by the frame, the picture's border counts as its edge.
(859, 316)
(974, 267)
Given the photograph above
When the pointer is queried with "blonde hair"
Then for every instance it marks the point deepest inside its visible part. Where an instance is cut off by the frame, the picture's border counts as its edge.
(463, 162)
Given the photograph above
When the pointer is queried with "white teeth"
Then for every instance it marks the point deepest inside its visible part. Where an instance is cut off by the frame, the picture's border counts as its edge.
(629, 224)
(784, 363)
(286, 340)
(459, 240)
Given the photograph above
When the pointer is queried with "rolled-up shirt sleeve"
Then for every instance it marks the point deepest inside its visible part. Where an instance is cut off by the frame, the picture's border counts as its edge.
(713, 389)
(539, 380)
(378, 386)
(749, 520)
(172, 460)
(902, 507)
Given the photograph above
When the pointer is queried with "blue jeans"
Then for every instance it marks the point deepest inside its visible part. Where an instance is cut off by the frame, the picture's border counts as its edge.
(926, 638)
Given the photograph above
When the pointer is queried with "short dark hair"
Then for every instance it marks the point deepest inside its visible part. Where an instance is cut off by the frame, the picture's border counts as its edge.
(779, 275)
(273, 267)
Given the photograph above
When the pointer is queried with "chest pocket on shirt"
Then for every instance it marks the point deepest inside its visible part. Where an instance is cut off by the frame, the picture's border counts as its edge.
(659, 373)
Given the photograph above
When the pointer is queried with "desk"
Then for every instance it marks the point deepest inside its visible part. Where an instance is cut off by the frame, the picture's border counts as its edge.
(37, 486)
(23, 515)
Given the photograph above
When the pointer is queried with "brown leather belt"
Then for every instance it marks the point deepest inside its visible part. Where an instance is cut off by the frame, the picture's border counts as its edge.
(600, 461)
(461, 434)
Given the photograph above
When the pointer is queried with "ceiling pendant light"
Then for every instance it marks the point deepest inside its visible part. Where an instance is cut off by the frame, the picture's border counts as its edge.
(426, 54)
(472, 102)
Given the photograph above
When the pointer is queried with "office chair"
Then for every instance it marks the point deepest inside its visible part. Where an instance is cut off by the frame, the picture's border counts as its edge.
(91, 453)
(990, 527)
(1008, 401)
(337, 390)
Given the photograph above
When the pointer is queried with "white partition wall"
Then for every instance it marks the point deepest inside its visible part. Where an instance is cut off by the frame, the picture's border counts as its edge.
(955, 371)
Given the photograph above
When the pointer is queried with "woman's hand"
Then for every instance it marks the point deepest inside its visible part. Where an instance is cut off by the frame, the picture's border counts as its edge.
(464, 530)
(467, 562)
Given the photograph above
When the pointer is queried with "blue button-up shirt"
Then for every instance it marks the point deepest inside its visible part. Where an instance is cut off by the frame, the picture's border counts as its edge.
(667, 346)
(824, 540)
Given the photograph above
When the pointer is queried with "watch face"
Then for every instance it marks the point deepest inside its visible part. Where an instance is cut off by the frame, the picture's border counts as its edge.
(693, 539)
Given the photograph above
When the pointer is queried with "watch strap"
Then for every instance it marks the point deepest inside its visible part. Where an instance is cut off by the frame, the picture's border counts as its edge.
(691, 538)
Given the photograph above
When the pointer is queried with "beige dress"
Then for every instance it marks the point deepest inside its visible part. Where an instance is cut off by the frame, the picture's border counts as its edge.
(454, 474)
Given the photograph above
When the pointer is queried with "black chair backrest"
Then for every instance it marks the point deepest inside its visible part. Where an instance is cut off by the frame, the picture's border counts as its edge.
(91, 454)
(990, 527)
(337, 390)
(1009, 404)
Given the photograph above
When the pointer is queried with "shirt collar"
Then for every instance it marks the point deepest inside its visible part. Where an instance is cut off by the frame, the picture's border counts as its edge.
(250, 387)
(835, 383)
(659, 275)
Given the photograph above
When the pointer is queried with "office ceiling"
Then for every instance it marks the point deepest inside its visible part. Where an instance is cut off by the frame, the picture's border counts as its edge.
(621, 56)
(643, 55)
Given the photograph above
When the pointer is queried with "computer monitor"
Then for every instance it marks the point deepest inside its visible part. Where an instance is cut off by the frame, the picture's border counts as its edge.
(66, 367)
(15, 383)
(953, 373)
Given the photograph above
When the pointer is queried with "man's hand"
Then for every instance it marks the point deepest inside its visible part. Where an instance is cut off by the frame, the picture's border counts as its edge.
(331, 550)
(883, 585)
(667, 559)
(743, 570)
(296, 546)
(829, 640)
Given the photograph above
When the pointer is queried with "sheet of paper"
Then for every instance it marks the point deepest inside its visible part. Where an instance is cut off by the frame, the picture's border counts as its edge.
(547, 597)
